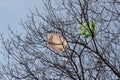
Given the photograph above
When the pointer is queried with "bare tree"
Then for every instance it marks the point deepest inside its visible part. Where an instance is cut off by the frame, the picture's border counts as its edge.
(95, 58)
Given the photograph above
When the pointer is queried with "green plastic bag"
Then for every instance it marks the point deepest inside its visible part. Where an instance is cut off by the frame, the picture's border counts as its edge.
(85, 30)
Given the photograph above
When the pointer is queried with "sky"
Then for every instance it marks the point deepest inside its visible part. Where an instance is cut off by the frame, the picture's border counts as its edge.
(11, 13)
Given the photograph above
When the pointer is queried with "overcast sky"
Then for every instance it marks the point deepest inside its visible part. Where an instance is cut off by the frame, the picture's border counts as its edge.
(12, 11)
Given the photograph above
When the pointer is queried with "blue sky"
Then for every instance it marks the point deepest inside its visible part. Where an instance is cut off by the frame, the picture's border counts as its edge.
(12, 11)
